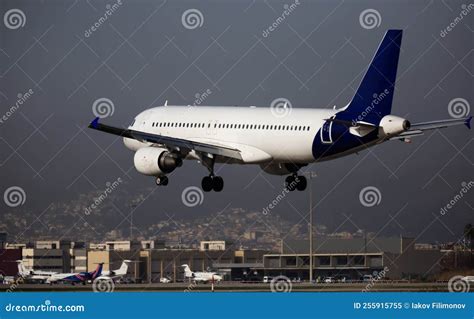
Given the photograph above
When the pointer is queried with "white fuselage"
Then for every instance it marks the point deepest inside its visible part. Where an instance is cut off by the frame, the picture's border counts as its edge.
(204, 276)
(260, 133)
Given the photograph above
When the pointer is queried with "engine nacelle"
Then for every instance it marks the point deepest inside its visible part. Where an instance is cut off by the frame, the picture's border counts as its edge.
(391, 125)
(155, 161)
(281, 168)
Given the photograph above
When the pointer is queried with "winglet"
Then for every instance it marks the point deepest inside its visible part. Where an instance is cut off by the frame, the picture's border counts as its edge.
(468, 122)
(94, 123)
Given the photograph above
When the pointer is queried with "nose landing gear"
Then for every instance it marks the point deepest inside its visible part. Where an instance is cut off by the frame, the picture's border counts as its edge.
(161, 181)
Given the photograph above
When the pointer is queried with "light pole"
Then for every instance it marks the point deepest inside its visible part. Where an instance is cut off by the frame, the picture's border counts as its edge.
(133, 207)
(310, 175)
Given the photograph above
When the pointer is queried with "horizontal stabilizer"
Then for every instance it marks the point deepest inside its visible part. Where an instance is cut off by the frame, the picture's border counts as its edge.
(360, 128)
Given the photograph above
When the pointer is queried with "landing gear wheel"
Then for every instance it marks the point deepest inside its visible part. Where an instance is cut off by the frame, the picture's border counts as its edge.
(217, 183)
(301, 186)
(207, 183)
(162, 180)
(290, 183)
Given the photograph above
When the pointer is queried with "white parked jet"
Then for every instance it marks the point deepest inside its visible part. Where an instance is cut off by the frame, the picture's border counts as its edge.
(33, 275)
(162, 137)
(201, 276)
(118, 273)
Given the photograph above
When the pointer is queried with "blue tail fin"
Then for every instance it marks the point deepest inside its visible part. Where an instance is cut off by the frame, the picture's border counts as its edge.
(98, 271)
(373, 99)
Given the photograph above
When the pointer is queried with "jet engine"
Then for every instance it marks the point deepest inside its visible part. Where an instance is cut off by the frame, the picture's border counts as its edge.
(155, 161)
(391, 125)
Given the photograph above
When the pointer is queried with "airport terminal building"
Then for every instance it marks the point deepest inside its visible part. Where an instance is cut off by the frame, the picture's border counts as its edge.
(353, 258)
(349, 258)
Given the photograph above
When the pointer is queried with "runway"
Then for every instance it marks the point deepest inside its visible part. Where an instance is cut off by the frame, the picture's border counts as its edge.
(244, 287)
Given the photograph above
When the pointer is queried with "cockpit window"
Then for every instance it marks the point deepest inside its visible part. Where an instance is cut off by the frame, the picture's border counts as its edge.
(133, 122)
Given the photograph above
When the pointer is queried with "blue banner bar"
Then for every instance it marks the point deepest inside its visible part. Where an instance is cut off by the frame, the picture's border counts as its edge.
(237, 305)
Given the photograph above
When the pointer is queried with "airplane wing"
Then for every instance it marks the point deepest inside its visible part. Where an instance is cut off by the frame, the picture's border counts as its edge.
(419, 128)
(170, 142)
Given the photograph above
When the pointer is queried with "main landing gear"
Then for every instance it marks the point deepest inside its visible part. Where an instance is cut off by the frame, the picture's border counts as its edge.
(295, 181)
(212, 182)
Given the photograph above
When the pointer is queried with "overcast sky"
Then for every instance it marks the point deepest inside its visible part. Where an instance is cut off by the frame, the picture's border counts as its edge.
(146, 53)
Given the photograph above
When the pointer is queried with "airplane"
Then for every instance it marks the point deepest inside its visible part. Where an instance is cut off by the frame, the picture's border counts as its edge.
(162, 137)
(118, 273)
(73, 278)
(33, 275)
(201, 276)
